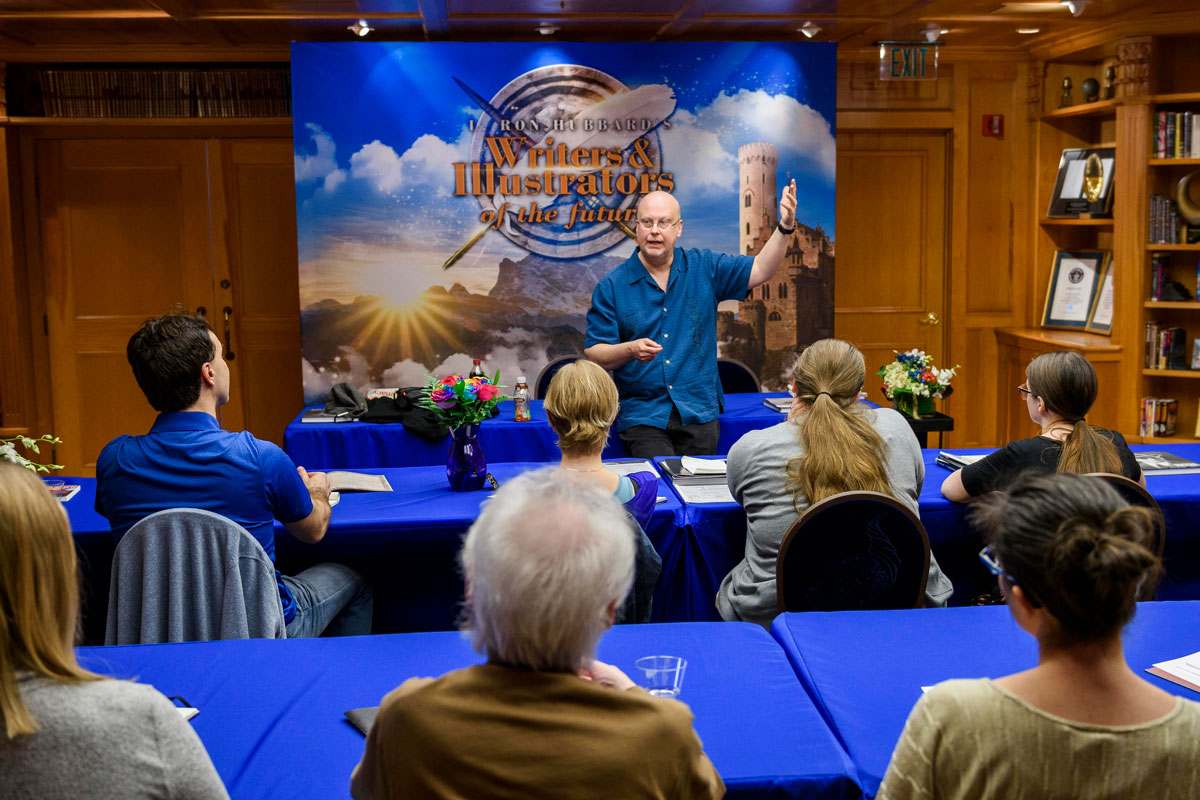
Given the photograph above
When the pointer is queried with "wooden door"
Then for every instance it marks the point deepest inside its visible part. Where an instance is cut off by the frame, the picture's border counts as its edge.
(892, 245)
(125, 236)
(257, 286)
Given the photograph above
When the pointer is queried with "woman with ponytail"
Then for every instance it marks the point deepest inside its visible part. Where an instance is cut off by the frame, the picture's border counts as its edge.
(1070, 556)
(64, 731)
(830, 443)
(1059, 390)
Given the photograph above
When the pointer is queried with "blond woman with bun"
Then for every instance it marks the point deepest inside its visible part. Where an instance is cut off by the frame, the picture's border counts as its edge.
(830, 443)
(1070, 555)
(581, 404)
(68, 732)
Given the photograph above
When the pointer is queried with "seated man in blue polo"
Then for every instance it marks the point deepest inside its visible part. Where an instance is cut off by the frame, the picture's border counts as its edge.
(187, 461)
(653, 323)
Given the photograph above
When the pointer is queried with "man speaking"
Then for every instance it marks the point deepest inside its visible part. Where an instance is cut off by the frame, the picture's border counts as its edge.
(653, 322)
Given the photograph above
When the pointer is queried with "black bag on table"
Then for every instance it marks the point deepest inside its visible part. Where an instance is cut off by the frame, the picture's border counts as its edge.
(346, 400)
(406, 409)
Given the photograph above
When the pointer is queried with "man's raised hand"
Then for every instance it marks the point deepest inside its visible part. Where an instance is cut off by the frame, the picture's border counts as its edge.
(787, 205)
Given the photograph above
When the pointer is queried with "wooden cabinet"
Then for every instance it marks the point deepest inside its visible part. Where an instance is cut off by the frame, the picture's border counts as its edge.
(1019, 346)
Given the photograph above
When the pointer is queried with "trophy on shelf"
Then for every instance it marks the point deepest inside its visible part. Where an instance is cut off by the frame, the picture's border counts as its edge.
(1091, 90)
(1066, 100)
(1110, 75)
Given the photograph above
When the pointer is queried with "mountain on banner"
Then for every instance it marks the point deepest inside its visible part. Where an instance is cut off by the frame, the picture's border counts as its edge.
(549, 286)
(536, 311)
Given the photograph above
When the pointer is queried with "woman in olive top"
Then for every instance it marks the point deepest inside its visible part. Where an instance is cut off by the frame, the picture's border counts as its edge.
(1070, 556)
(1059, 390)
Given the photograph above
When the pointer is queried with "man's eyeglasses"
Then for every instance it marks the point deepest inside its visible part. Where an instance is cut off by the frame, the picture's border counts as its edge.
(660, 224)
(1024, 390)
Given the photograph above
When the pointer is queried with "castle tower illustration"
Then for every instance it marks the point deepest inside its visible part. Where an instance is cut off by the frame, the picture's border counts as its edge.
(758, 207)
(794, 308)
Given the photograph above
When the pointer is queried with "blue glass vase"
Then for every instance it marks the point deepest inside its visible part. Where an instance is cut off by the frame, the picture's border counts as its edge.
(466, 467)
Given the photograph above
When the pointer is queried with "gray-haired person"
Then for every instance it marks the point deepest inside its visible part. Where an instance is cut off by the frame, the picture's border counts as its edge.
(546, 564)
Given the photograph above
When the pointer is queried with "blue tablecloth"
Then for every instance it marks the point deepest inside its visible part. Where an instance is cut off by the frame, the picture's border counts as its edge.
(405, 542)
(865, 669)
(271, 711)
(715, 537)
(358, 445)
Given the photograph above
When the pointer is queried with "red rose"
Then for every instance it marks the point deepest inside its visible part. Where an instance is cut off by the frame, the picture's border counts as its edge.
(486, 391)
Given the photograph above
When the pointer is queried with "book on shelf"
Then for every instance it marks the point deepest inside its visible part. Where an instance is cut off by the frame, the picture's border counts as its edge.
(957, 460)
(1164, 220)
(1166, 348)
(1160, 463)
(1158, 417)
(1176, 135)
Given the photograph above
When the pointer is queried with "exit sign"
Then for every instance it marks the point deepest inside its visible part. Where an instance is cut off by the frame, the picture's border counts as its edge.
(908, 61)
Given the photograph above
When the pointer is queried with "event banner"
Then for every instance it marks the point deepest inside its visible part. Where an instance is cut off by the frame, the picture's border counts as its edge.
(461, 200)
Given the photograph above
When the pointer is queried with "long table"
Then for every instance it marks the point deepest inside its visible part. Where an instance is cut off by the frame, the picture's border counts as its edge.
(271, 711)
(865, 670)
(364, 445)
(715, 538)
(404, 541)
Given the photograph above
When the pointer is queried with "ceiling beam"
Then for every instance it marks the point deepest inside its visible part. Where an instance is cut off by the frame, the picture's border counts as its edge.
(433, 19)
(177, 9)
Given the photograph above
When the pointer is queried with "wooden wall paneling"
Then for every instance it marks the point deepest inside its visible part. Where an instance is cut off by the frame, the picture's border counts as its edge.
(989, 245)
(859, 88)
(35, 285)
(895, 185)
(1130, 259)
(16, 412)
(254, 228)
(124, 236)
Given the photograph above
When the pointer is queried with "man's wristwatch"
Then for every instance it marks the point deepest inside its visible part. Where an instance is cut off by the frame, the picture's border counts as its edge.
(785, 231)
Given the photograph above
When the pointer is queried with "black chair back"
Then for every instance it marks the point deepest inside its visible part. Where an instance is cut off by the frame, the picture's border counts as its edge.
(853, 551)
(542, 384)
(736, 377)
(1136, 495)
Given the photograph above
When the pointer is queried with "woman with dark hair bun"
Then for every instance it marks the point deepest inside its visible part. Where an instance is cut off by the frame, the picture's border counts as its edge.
(1059, 390)
(1070, 556)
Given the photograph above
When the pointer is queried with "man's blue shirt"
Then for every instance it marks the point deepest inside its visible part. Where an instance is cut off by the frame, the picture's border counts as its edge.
(187, 461)
(628, 304)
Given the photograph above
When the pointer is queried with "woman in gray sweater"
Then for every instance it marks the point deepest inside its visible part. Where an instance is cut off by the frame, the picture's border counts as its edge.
(830, 443)
(66, 731)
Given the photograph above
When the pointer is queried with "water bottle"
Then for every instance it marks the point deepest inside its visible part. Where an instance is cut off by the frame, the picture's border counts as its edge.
(521, 400)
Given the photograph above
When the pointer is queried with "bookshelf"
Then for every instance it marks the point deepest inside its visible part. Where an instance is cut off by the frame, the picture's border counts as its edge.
(1170, 90)
(1154, 75)
(85, 94)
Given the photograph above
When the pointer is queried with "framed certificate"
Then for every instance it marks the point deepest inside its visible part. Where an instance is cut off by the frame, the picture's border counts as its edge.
(1101, 318)
(1084, 184)
(1074, 288)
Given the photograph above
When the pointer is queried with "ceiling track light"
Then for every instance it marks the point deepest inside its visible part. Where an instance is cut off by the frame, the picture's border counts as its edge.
(1076, 7)
(547, 30)
(1029, 31)
(932, 32)
(360, 28)
(809, 29)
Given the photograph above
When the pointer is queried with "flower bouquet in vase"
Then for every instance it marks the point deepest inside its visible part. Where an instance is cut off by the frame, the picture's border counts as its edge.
(912, 382)
(460, 403)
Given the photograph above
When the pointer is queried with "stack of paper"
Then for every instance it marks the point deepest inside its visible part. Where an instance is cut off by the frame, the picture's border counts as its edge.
(1184, 671)
(957, 460)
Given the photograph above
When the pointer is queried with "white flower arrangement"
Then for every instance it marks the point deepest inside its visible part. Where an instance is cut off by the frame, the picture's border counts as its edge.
(8, 451)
